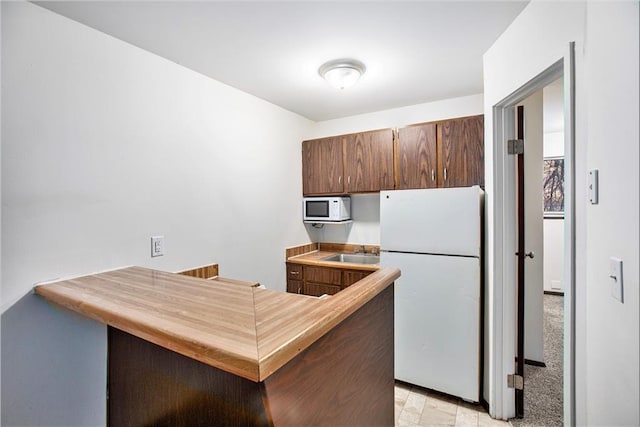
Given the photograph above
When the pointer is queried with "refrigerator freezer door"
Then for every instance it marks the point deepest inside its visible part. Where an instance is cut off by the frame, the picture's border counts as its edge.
(437, 322)
(436, 221)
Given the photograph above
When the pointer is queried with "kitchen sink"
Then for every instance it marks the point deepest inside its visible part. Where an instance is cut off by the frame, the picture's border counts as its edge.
(354, 258)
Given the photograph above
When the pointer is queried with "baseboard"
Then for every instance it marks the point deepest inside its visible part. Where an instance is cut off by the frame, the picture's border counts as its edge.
(535, 363)
(559, 293)
(484, 404)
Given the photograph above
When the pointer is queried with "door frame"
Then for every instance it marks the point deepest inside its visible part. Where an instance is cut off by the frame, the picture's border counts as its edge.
(503, 327)
(520, 259)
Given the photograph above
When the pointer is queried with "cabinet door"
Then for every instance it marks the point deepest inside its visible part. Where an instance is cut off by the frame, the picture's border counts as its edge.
(322, 166)
(319, 289)
(294, 286)
(417, 157)
(461, 152)
(369, 161)
(352, 276)
(331, 276)
(294, 278)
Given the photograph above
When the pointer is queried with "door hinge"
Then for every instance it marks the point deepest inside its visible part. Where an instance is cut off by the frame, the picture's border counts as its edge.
(515, 146)
(515, 381)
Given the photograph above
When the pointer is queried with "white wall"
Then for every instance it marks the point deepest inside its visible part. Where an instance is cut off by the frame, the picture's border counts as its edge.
(553, 147)
(1, 299)
(103, 146)
(521, 53)
(612, 146)
(553, 252)
(607, 332)
(398, 117)
(365, 228)
(366, 207)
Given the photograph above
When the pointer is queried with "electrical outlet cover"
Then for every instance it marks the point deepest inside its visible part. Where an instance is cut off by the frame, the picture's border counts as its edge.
(157, 246)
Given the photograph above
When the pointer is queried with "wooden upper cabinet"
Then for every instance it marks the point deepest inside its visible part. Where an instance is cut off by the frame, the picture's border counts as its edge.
(461, 151)
(369, 161)
(448, 153)
(322, 166)
(356, 163)
(417, 157)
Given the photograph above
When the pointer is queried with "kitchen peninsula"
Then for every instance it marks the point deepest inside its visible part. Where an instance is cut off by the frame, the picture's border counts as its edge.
(187, 351)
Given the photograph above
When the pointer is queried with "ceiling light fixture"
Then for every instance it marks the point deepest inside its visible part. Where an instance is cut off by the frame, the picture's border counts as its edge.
(342, 73)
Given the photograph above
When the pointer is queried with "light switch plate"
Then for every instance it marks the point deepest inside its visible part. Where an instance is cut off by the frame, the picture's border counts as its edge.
(615, 278)
(157, 246)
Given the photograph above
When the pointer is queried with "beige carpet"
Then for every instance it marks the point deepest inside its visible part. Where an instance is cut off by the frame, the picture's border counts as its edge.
(543, 386)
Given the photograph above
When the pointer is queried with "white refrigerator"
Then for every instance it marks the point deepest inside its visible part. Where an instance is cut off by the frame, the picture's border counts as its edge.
(434, 237)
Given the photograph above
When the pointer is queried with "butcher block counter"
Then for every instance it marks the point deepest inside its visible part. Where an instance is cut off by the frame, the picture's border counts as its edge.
(315, 254)
(184, 350)
(318, 258)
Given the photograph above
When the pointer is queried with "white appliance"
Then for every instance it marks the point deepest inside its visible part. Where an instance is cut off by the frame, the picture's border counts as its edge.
(434, 237)
(326, 209)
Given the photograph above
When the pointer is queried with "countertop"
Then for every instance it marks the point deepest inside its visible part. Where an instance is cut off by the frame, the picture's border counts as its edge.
(247, 331)
(316, 258)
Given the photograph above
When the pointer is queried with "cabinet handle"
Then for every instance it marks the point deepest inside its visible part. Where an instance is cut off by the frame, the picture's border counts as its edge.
(433, 175)
(340, 179)
(445, 174)
(294, 273)
(349, 180)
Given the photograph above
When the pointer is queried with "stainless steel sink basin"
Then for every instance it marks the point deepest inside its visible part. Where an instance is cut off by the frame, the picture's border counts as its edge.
(354, 258)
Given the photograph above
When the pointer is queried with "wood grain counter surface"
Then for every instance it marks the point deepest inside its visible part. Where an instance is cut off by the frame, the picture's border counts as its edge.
(317, 258)
(247, 331)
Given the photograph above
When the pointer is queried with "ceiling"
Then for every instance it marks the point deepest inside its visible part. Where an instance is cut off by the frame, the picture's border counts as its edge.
(415, 52)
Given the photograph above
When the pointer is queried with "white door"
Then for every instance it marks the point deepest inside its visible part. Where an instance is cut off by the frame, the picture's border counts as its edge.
(437, 322)
(533, 231)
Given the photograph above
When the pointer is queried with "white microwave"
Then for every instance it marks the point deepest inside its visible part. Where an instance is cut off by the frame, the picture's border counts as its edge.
(327, 209)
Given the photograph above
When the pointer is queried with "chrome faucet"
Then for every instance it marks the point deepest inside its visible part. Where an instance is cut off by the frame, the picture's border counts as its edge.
(357, 250)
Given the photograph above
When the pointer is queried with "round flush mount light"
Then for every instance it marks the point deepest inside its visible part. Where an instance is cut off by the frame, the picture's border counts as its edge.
(342, 73)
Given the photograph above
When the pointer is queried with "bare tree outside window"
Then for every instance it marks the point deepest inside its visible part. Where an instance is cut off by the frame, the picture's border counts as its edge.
(553, 186)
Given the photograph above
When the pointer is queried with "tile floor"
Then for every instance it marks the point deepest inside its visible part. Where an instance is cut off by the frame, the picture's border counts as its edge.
(419, 407)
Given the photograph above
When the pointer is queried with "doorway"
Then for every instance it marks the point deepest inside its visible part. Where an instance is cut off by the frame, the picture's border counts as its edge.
(504, 292)
(539, 335)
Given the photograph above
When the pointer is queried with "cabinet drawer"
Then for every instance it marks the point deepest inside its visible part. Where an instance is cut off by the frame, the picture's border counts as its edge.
(319, 289)
(352, 276)
(323, 275)
(294, 271)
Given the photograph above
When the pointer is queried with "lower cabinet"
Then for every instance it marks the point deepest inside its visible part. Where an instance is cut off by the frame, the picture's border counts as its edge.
(295, 286)
(294, 278)
(319, 289)
(349, 277)
(317, 281)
